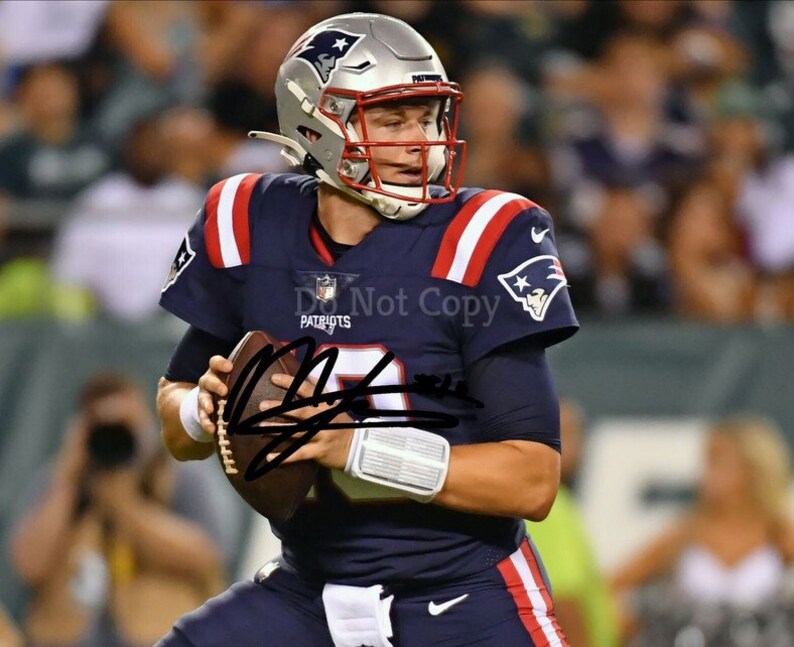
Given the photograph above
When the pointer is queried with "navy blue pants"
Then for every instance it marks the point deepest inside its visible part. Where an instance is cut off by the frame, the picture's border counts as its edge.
(508, 606)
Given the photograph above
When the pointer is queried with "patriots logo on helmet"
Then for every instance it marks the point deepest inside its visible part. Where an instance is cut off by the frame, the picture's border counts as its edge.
(534, 284)
(325, 49)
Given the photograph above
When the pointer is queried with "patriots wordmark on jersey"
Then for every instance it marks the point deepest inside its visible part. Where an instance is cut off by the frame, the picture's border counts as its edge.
(438, 291)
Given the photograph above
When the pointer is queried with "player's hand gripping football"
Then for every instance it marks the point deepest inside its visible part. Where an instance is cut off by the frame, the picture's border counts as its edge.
(328, 447)
(212, 383)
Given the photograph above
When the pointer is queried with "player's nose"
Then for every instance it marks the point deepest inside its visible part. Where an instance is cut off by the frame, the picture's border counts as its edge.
(416, 133)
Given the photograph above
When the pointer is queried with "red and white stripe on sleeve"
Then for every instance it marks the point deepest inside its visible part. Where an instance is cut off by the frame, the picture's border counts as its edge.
(226, 220)
(473, 233)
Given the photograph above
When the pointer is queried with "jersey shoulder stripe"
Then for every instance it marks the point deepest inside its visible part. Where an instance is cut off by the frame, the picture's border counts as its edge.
(475, 230)
(226, 228)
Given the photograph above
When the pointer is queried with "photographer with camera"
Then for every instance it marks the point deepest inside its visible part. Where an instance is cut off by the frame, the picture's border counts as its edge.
(121, 540)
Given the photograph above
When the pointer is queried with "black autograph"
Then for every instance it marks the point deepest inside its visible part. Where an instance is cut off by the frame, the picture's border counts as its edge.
(351, 400)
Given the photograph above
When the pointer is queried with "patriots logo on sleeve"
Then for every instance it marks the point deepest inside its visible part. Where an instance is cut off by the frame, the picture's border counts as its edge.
(535, 283)
(182, 259)
(325, 49)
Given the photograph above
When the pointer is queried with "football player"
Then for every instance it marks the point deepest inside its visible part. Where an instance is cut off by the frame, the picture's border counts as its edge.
(410, 536)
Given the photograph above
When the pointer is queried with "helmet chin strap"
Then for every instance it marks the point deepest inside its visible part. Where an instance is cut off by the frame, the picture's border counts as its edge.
(395, 208)
(388, 207)
(404, 209)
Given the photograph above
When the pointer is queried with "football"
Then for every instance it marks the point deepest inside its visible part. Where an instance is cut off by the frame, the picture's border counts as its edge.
(278, 493)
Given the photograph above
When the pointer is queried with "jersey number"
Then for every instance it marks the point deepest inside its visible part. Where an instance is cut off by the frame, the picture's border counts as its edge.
(352, 365)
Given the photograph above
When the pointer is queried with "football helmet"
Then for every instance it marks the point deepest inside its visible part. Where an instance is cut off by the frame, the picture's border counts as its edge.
(338, 69)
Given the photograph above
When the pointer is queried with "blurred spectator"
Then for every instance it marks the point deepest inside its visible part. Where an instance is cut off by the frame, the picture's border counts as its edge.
(119, 241)
(206, 149)
(496, 102)
(187, 132)
(779, 92)
(712, 280)
(766, 210)
(734, 546)
(225, 29)
(143, 62)
(9, 635)
(781, 29)
(8, 118)
(37, 31)
(619, 268)
(630, 140)
(739, 139)
(756, 182)
(582, 600)
(117, 540)
(702, 59)
(585, 27)
(656, 19)
(53, 156)
(748, 163)
(241, 47)
(510, 34)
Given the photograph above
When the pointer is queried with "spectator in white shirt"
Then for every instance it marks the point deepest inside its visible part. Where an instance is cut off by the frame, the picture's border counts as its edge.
(117, 246)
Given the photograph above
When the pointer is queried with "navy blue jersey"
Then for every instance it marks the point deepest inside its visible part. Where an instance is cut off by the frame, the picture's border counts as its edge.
(439, 291)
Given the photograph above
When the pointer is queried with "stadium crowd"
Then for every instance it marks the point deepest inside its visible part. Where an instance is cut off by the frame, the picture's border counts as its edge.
(659, 134)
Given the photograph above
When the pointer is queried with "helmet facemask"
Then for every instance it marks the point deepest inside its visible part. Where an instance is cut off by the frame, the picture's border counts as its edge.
(440, 155)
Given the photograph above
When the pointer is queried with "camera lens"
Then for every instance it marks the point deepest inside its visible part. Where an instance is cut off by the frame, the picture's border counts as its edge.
(111, 445)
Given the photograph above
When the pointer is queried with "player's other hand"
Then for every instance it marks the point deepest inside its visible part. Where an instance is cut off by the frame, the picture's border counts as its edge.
(328, 447)
(210, 385)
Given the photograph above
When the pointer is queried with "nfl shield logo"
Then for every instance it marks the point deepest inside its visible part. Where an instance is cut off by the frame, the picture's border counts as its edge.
(326, 288)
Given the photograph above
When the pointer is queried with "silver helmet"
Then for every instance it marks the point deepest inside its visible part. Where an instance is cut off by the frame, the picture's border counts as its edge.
(336, 70)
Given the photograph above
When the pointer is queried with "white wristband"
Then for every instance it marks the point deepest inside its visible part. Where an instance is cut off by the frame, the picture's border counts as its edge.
(189, 416)
(404, 458)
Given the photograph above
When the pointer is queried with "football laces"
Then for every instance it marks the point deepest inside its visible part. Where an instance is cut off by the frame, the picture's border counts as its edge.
(229, 465)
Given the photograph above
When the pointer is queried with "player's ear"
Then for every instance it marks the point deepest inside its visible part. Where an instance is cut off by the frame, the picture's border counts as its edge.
(308, 133)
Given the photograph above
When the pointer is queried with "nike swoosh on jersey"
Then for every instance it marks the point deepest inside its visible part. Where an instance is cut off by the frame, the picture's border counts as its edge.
(437, 609)
(537, 237)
